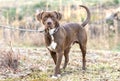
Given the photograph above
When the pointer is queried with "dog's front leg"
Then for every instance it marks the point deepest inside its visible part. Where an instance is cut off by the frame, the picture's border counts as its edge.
(54, 56)
(66, 54)
(57, 68)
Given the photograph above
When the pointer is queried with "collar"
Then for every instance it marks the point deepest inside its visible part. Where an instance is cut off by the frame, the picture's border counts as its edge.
(53, 30)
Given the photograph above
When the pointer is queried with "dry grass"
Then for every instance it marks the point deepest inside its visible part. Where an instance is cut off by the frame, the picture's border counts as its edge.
(37, 65)
(9, 61)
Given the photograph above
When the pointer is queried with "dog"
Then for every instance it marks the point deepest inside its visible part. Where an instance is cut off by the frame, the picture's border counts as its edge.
(60, 38)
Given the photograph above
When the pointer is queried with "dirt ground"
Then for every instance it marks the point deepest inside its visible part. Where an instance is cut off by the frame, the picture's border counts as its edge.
(36, 64)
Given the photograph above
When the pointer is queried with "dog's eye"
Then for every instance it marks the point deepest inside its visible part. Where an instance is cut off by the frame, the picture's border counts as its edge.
(45, 17)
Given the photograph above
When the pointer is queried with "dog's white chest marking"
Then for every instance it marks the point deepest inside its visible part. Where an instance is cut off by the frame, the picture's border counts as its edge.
(51, 31)
(53, 43)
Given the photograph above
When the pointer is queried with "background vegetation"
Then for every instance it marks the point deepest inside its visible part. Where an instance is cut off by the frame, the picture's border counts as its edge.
(22, 13)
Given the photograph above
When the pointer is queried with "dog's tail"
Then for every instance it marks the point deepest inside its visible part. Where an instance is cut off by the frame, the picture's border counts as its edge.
(88, 16)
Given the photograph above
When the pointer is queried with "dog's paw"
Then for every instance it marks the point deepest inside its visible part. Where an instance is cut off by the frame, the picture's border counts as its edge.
(56, 77)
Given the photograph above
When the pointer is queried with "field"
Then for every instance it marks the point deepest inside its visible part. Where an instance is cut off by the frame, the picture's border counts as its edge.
(36, 64)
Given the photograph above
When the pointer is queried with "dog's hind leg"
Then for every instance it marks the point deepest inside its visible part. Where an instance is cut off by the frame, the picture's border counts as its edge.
(54, 56)
(66, 55)
(83, 49)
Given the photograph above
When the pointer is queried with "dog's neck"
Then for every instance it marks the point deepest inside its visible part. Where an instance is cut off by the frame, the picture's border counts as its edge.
(51, 31)
(49, 35)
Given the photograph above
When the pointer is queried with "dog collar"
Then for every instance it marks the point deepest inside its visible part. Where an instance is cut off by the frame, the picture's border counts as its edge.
(53, 30)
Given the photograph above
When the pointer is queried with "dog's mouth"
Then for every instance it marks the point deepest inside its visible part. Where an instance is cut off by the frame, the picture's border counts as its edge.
(49, 26)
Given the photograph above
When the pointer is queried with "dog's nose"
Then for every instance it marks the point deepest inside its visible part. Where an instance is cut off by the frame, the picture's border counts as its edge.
(49, 23)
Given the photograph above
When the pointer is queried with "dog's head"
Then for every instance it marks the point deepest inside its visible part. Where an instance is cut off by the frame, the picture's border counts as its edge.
(49, 19)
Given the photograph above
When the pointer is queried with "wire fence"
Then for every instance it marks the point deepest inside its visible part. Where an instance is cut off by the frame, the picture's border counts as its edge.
(21, 35)
(20, 29)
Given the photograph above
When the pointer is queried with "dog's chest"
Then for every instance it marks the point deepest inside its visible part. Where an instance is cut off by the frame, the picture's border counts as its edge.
(53, 44)
(51, 31)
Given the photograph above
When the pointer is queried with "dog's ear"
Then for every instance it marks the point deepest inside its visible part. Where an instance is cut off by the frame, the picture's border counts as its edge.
(39, 15)
(58, 14)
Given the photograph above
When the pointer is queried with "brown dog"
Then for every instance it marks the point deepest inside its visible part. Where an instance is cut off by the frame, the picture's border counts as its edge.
(60, 38)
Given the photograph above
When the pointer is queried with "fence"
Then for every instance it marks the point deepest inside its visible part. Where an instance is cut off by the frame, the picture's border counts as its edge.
(22, 35)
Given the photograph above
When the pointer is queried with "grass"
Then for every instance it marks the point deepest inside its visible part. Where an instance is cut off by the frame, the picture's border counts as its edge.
(38, 66)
